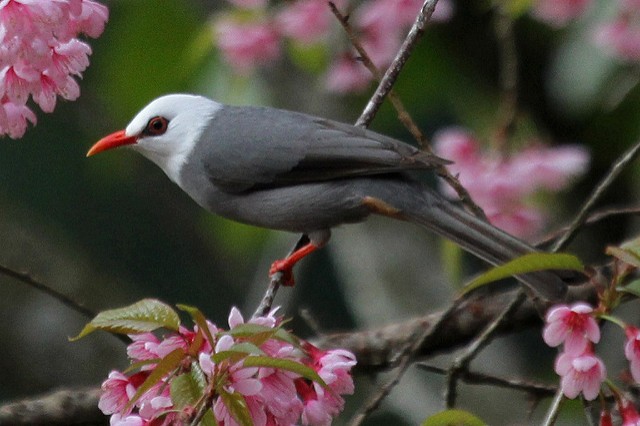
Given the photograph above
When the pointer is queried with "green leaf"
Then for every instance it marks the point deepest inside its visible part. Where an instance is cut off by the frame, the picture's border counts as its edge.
(632, 288)
(284, 364)
(453, 418)
(237, 406)
(145, 315)
(627, 255)
(185, 391)
(262, 332)
(531, 262)
(166, 365)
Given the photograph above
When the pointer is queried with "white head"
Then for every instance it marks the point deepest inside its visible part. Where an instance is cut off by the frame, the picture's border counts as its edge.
(165, 131)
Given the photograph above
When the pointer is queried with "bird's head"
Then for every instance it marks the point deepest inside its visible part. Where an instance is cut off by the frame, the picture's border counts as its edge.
(165, 131)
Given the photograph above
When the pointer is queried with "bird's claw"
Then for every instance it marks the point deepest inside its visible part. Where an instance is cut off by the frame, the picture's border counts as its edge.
(283, 267)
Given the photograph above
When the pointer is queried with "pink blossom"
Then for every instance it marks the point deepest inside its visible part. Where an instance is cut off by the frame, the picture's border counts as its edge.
(273, 396)
(118, 390)
(246, 44)
(502, 185)
(306, 21)
(333, 366)
(574, 326)
(583, 373)
(347, 75)
(40, 54)
(629, 413)
(632, 351)
(14, 118)
(559, 12)
(130, 420)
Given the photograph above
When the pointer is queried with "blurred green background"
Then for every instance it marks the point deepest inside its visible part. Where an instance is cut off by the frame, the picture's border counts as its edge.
(112, 229)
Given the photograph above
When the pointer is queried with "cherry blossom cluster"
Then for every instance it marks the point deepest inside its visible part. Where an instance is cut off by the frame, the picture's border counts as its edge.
(254, 32)
(503, 185)
(245, 373)
(581, 370)
(40, 55)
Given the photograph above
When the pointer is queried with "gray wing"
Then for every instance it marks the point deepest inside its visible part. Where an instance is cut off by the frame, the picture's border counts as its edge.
(254, 147)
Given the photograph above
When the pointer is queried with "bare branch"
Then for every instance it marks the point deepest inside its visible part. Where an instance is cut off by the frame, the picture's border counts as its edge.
(44, 288)
(461, 364)
(62, 407)
(617, 168)
(388, 80)
(537, 390)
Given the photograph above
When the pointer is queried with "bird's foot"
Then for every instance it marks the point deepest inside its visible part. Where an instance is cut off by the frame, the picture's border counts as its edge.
(284, 267)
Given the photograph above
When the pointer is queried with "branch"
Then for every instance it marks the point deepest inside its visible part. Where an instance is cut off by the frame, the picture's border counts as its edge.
(461, 364)
(617, 168)
(61, 407)
(536, 390)
(44, 288)
(376, 349)
(389, 78)
(385, 88)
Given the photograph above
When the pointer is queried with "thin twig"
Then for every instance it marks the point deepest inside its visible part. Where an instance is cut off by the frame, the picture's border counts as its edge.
(604, 185)
(389, 78)
(406, 356)
(461, 363)
(267, 300)
(44, 288)
(554, 409)
(385, 88)
(403, 114)
(537, 390)
(593, 218)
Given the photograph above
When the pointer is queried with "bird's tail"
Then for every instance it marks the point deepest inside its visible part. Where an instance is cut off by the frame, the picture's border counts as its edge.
(420, 204)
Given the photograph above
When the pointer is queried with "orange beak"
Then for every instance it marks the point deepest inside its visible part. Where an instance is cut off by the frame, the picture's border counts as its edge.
(113, 140)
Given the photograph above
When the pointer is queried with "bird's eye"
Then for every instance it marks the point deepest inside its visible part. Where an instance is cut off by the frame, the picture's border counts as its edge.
(156, 126)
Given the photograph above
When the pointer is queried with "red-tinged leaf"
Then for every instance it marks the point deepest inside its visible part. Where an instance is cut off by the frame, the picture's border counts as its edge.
(237, 406)
(166, 366)
(143, 316)
(198, 317)
(284, 364)
(528, 263)
(453, 418)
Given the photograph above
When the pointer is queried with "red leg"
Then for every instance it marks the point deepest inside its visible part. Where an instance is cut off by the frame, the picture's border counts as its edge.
(285, 266)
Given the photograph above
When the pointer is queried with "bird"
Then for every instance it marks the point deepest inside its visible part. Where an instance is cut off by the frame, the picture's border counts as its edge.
(296, 172)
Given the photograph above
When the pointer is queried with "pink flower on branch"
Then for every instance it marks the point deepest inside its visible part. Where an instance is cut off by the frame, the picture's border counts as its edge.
(289, 382)
(574, 326)
(40, 55)
(580, 374)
